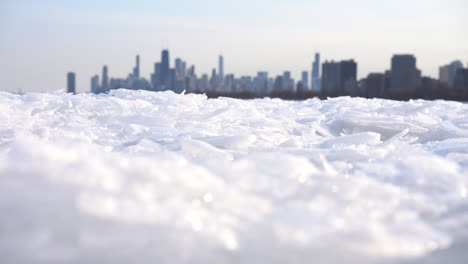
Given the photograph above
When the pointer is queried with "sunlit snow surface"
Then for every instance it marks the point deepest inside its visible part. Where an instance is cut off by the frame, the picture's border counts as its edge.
(143, 177)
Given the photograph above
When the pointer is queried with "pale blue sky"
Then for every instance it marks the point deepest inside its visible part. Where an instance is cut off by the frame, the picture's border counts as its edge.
(42, 40)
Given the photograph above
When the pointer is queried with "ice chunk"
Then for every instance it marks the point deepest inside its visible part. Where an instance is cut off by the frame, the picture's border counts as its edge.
(367, 138)
(237, 142)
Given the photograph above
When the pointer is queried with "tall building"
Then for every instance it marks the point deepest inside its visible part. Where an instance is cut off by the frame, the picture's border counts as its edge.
(288, 82)
(136, 70)
(221, 67)
(278, 84)
(405, 77)
(203, 83)
(179, 64)
(156, 77)
(165, 67)
(447, 73)
(105, 79)
(305, 80)
(184, 69)
(171, 81)
(71, 83)
(331, 72)
(214, 81)
(229, 83)
(95, 84)
(339, 78)
(348, 77)
(261, 82)
(316, 81)
(191, 71)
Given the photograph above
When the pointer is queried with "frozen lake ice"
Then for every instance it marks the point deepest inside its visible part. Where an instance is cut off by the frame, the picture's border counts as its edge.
(143, 177)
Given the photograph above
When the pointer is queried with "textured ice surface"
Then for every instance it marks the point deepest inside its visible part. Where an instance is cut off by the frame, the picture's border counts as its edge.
(142, 177)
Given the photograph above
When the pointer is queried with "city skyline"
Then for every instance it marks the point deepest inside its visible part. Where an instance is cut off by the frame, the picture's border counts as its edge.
(402, 81)
(44, 40)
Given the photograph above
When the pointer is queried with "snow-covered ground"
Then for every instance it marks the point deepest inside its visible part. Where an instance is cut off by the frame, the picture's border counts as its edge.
(143, 177)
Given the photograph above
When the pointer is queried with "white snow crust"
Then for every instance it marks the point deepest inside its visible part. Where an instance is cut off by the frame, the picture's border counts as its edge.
(144, 177)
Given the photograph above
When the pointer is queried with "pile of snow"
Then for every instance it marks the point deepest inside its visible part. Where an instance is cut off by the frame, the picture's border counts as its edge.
(143, 177)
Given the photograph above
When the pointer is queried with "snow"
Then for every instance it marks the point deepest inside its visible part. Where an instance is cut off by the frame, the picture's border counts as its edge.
(143, 177)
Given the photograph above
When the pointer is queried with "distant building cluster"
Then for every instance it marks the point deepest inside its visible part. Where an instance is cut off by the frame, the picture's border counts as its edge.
(329, 79)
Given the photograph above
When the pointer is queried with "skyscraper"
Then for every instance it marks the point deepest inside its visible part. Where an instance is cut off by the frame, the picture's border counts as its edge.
(171, 81)
(105, 79)
(288, 82)
(305, 80)
(348, 76)
(221, 67)
(165, 67)
(405, 77)
(214, 80)
(339, 78)
(156, 77)
(179, 67)
(331, 72)
(95, 84)
(136, 70)
(278, 84)
(71, 83)
(191, 71)
(316, 81)
(261, 82)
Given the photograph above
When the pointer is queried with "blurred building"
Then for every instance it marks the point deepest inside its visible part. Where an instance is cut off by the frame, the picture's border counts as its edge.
(71, 83)
(179, 64)
(374, 85)
(221, 67)
(316, 81)
(405, 77)
(214, 81)
(245, 84)
(348, 78)
(300, 87)
(447, 73)
(95, 88)
(428, 87)
(156, 81)
(278, 84)
(331, 72)
(339, 78)
(165, 67)
(305, 81)
(261, 83)
(118, 83)
(203, 83)
(288, 82)
(460, 85)
(105, 79)
(136, 70)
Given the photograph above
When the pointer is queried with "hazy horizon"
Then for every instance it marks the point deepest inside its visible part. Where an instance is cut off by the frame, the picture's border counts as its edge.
(43, 41)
